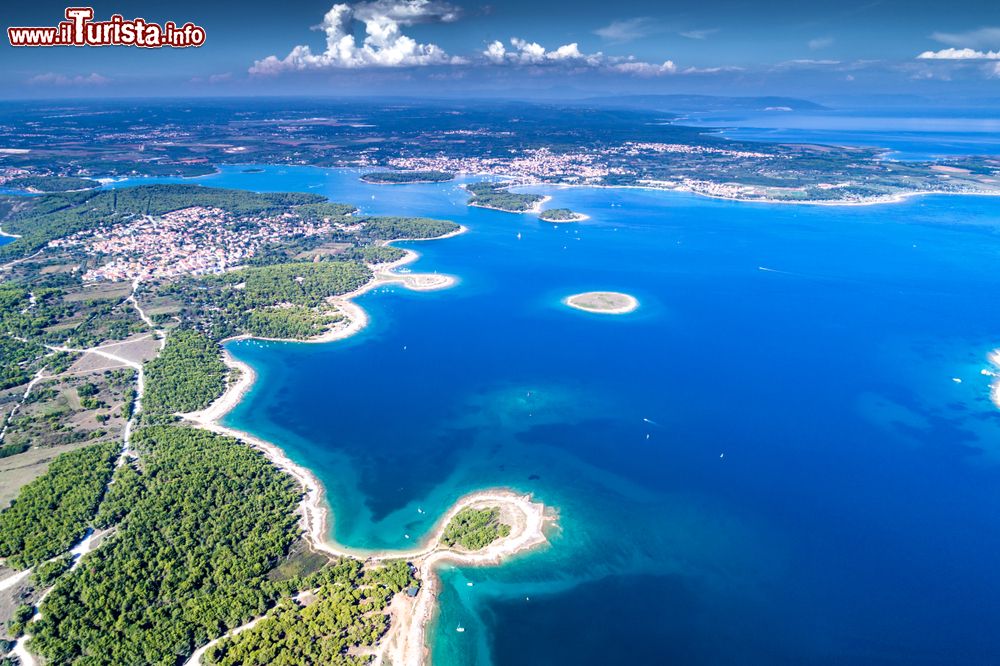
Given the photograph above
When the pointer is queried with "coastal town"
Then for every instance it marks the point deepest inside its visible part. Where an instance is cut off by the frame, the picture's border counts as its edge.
(544, 165)
(191, 241)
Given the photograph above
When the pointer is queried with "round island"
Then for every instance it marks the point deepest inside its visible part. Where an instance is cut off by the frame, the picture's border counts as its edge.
(603, 302)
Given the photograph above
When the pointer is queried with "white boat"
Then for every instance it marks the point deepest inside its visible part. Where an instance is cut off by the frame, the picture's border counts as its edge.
(460, 629)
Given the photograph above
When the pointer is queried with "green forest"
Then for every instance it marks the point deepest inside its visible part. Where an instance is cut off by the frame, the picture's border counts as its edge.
(201, 520)
(51, 183)
(557, 215)
(402, 228)
(16, 358)
(275, 301)
(53, 512)
(373, 254)
(496, 195)
(186, 376)
(402, 177)
(473, 529)
(347, 609)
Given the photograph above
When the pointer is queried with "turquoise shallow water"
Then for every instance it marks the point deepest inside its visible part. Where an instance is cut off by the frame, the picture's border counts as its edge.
(757, 466)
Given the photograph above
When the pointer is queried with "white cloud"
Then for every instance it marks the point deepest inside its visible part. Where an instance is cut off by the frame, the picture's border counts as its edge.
(979, 38)
(407, 12)
(646, 68)
(959, 54)
(53, 79)
(805, 63)
(820, 43)
(384, 44)
(994, 72)
(523, 52)
(495, 52)
(698, 34)
(712, 70)
(627, 30)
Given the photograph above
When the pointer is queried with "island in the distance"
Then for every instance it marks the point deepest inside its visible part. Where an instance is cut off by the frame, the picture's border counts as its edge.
(47, 184)
(561, 215)
(603, 302)
(407, 177)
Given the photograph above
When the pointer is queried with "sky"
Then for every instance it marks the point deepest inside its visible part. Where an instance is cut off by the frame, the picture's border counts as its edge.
(526, 47)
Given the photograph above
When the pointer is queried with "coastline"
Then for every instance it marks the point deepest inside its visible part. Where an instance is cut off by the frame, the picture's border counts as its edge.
(405, 643)
(898, 197)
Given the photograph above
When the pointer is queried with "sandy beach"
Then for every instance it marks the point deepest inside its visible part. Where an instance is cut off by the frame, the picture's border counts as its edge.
(405, 642)
(603, 302)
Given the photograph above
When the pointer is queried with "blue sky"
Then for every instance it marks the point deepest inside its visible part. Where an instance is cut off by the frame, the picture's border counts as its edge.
(535, 47)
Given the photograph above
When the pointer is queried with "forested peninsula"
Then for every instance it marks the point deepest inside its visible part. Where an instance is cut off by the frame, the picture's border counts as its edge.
(140, 535)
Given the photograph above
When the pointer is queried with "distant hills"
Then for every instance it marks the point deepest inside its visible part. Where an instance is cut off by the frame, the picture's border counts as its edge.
(691, 103)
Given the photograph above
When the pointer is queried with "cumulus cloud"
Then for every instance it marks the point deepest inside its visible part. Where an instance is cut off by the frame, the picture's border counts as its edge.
(959, 54)
(980, 38)
(627, 30)
(523, 52)
(384, 44)
(407, 12)
(53, 79)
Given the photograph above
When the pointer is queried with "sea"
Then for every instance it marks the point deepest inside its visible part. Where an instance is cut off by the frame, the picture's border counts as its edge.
(906, 133)
(786, 455)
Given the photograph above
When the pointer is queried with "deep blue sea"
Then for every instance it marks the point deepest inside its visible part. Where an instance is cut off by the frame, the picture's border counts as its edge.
(769, 462)
(917, 133)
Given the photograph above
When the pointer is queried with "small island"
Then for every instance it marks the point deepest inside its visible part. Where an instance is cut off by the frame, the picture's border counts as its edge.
(496, 196)
(558, 215)
(407, 177)
(603, 302)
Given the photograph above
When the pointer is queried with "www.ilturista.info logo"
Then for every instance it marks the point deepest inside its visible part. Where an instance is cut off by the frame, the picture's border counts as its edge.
(79, 29)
